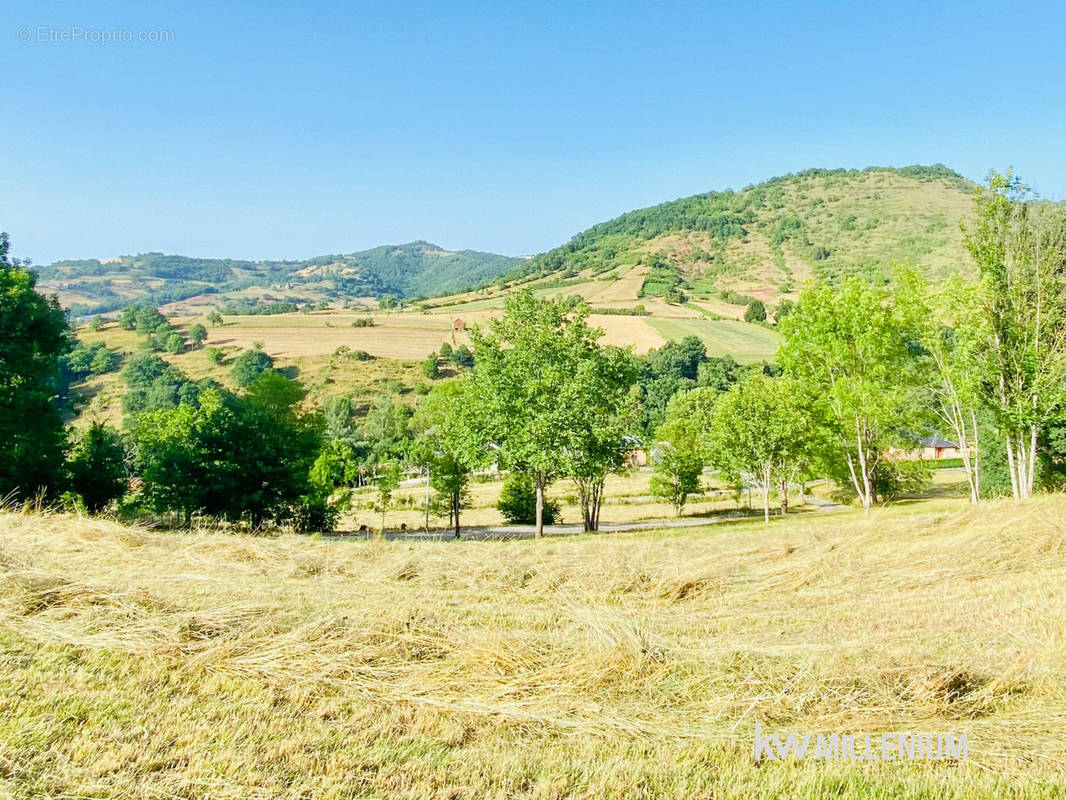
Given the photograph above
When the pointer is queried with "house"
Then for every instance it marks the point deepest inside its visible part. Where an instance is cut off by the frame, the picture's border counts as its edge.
(458, 325)
(936, 447)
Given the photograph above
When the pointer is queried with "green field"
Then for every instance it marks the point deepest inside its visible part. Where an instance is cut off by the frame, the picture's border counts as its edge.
(742, 340)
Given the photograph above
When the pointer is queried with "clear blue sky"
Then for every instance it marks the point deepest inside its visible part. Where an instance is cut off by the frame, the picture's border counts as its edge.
(266, 130)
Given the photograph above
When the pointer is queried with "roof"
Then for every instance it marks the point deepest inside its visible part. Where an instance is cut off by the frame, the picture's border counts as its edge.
(936, 441)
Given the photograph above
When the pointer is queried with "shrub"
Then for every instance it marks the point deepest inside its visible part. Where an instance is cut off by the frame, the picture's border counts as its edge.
(250, 365)
(518, 501)
(756, 311)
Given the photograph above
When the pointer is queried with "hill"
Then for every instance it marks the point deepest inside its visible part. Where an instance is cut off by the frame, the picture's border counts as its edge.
(179, 282)
(149, 664)
(766, 240)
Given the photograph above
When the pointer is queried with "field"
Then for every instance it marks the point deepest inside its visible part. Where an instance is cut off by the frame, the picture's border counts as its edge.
(144, 664)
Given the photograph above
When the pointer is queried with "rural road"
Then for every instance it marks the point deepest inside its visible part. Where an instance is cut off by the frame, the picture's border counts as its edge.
(499, 532)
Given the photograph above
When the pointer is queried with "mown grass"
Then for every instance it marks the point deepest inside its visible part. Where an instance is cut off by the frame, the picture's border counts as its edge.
(142, 664)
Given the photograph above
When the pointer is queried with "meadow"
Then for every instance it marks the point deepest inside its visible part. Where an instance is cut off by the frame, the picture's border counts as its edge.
(143, 664)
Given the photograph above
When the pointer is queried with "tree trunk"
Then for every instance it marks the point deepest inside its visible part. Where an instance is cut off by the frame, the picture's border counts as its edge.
(455, 512)
(1011, 467)
(766, 495)
(540, 506)
(976, 456)
(784, 498)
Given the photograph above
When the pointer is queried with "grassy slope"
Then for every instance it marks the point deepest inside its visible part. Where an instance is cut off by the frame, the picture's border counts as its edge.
(140, 664)
(864, 221)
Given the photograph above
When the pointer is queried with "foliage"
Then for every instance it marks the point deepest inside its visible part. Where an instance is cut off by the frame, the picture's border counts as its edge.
(197, 334)
(849, 346)
(1017, 323)
(431, 366)
(231, 457)
(97, 466)
(518, 501)
(249, 365)
(532, 383)
(755, 312)
(34, 335)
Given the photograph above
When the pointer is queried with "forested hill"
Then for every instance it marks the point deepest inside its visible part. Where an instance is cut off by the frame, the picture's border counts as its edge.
(767, 239)
(404, 271)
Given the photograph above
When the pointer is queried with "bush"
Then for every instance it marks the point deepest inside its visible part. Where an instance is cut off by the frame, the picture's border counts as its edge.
(518, 501)
(756, 312)
(314, 514)
(363, 322)
(98, 466)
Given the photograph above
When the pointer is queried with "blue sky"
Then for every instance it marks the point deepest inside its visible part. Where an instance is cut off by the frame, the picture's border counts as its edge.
(268, 130)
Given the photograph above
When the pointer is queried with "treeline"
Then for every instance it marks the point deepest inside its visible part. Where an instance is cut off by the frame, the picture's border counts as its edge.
(863, 373)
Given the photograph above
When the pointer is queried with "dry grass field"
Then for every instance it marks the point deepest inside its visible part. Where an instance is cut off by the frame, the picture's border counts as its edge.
(140, 664)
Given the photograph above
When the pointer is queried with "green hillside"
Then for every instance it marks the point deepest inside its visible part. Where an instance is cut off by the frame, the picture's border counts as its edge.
(767, 239)
(409, 270)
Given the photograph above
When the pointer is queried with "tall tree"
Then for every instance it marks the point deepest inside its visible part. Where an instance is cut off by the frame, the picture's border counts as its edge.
(33, 336)
(1019, 245)
(530, 380)
(442, 424)
(848, 345)
(98, 466)
(950, 355)
(762, 429)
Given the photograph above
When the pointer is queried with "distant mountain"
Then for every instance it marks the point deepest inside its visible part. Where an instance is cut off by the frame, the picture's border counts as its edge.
(767, 239)
(417, 269)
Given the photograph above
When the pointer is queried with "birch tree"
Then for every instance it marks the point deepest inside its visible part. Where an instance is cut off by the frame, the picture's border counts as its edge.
(849, 347)
(1019, 246)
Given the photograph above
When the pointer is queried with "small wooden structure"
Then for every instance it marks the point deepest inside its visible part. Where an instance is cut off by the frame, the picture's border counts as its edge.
(458, 325)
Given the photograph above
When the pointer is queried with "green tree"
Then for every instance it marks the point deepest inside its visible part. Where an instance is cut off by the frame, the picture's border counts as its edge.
(33, 336)
(755, 312)
(524, 388)
(682, 445)
(215, 319)
(847, 345)
(103, 361)
(518, 502)
(97, 466)
(174, 342)
(197, 334)
(443, 431)
(431, 366)
(96, 323)
(215, 354)
(761, 429)
(249, 365)
(1019, 245)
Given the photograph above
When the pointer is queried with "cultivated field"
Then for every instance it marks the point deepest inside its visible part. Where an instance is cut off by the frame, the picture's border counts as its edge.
(141, 664)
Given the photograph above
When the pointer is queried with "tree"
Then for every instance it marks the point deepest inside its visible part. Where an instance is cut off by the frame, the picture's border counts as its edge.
(386, 430)
(249, 365)
(524, 389)
(604, 418)
(431, 367)
(231, 457)
(96, 323)
(1019, 246)
(215, 354)
(518, 501)
(443, 428)
(846, 344)
(783, 310)
(103, 362)
(446, 351)
(677, 468)
(214, 318)
(761, 429)
(98, 466)
(197, 334)
(755, 312)
(462, 357)
(175, 342)
(950, 355)
(148, 320)
(33, 336)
